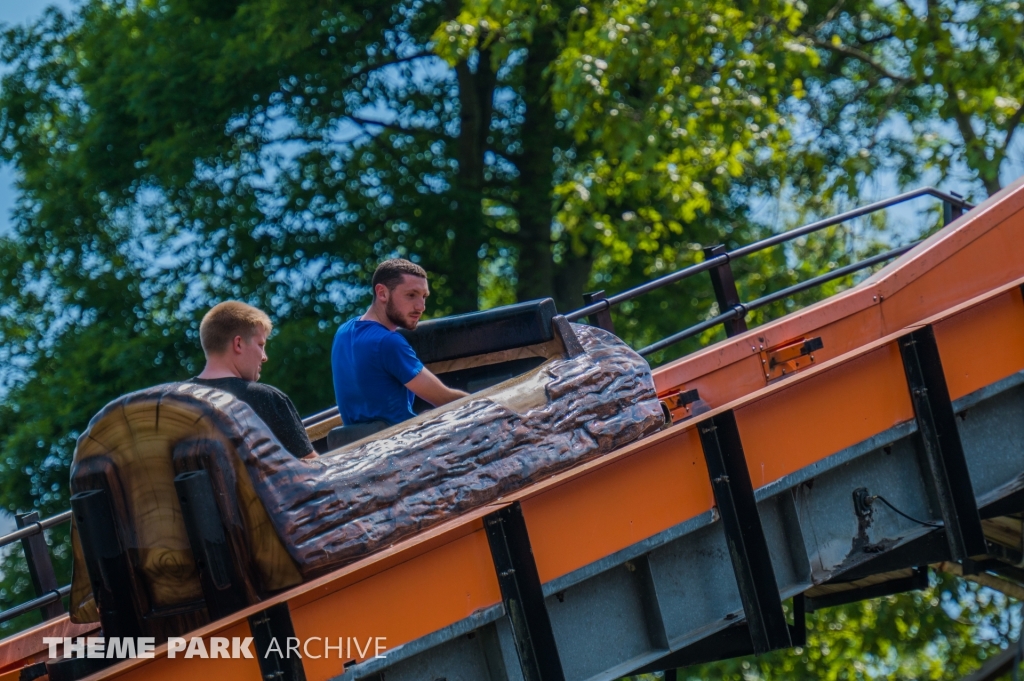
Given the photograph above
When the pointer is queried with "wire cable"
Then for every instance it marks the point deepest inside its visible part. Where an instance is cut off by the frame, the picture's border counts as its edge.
(919, 522)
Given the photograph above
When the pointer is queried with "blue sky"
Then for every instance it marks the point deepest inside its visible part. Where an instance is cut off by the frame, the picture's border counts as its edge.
(21, 11)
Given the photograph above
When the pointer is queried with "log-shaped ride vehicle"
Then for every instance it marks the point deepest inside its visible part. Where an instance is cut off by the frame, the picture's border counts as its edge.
(187, 508)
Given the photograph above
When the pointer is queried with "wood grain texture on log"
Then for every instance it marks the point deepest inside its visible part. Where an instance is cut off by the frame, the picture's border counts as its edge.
(372, 493)
(137, 435)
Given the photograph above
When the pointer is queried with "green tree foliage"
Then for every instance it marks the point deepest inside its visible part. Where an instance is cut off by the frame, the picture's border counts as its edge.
(172, 153)
(914, 86)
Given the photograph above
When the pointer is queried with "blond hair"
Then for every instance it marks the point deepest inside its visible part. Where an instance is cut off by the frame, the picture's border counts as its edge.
(226, 320)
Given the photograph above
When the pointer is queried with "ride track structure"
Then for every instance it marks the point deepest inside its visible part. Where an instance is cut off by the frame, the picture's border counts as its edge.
(681, 547)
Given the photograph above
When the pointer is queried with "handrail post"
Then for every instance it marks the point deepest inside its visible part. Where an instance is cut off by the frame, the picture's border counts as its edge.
(951, 212)
(602, 319)
(40, 566)
(725, 290)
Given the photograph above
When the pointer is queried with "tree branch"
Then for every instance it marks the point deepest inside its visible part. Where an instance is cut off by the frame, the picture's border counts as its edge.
(876, 39)
(1011, 126)
(394, 126)
(830, 15)
(859, 55)
(376, 67)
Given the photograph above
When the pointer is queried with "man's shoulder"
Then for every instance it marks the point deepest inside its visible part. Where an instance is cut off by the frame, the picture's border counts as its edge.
(394, 339)
(347, 326)
(365, 334)
(266, 390)
(243, 388)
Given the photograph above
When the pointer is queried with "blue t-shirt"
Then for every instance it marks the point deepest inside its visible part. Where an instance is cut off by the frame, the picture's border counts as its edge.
(371, 367)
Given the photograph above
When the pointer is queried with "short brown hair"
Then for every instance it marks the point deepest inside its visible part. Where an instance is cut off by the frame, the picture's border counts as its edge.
(226, 320)
(390, 272)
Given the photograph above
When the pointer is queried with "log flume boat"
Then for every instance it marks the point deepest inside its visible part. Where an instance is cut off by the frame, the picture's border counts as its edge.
(291, 520)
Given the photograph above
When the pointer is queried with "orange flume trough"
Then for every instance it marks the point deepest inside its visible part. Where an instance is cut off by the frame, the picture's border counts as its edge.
(965, 282)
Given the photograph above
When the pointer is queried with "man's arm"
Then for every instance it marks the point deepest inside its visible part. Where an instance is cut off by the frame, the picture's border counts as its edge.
(289, 429)
(430, 388)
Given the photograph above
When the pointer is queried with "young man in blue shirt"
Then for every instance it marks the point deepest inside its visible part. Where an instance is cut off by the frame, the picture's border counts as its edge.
(376, 372)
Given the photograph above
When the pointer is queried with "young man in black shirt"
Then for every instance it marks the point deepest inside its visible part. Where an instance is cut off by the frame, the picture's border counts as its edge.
(233, 336)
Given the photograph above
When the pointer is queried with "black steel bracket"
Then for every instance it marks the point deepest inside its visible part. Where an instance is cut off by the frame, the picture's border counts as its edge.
(728, 643)
(798, 631)
(940, 438)
(748, 548)
(522, 595)
(724, 285)
(273, 627)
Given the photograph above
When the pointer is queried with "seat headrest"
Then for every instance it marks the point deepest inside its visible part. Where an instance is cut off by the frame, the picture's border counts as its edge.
(478, 333)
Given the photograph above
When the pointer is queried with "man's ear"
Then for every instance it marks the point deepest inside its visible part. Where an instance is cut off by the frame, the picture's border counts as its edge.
(380, 292)
(236, 344)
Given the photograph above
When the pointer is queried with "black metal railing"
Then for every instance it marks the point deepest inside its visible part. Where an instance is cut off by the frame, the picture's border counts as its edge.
(40, 566)
(718, 262)
(598, 308)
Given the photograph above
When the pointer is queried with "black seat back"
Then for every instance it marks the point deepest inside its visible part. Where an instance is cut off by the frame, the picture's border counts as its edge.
(344, 435)
(481, 333)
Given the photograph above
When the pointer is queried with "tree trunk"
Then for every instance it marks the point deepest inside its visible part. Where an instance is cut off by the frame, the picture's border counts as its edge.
(536, 166)
(571, 277)
(476, 96)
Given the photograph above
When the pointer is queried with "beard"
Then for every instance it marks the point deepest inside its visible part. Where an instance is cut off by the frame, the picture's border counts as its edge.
(391, 312)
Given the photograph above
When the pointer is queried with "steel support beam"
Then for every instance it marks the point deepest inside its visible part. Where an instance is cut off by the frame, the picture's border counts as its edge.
(522, 595)
(913, 582)
(940, 438)
(748, 548)
(798, 633)
(733, 641)
(273, 626)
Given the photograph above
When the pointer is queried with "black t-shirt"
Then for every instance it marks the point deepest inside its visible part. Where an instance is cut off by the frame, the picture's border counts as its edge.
(271, 405)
